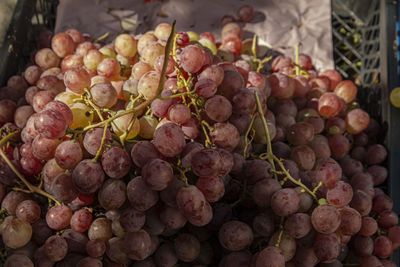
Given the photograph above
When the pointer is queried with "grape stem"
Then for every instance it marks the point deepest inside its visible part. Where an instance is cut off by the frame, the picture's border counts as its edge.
(31, 188)
(103, 139)
(246, 141)
(89, 101)
(297, 59)
(272, 158)
(254, 52)
(278, 241)
(269, 146)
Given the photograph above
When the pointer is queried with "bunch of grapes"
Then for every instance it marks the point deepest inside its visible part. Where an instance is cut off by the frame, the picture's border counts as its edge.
(170, 149)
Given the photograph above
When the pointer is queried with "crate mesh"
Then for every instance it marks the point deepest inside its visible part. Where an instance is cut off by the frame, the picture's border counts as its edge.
(356, 43)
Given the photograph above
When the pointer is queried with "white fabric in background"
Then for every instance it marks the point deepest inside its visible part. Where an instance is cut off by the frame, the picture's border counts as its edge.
(279, 24)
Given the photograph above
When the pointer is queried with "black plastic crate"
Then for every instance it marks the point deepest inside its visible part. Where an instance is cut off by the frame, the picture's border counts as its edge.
(364, 34)
(29, 18)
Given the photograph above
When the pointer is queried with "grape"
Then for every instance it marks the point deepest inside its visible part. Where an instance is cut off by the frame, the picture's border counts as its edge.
(92, 140)
(32, 74)
(22, 115)
(30, 93)
(116, 162)
(326, 247)
(383, 247)
(363, 246)
(30, 166)
(151, 51)
(169, 140)
(40, 231)
(46, 58)
(112, 194)
(115, 250)
(212, 187)
(160, 106)
(70, 62)
(187, 247)
(7, 110)
(340, 194)
(159, 63)
(109, 67)
(41, 99)
(346, 90)
(376, 154)
(28, 210)
(139, 69)
(350, 221)
(325, 219)
(206, 162)
(18, 260)
(298, 225)
(62, 44)
(357, 121)
(369, 226)
(191, 201)
(379, 174)
(328, 172)
(329, 105)
(172, 218)
(179, 113)
(44, 148)
(51, 83)
(282, 86)
(225, 135)
(50, 170)
(41, 259)
(363, 181)
(140, 195)
(165, 256)
(89, 262)
(95, 248)
(125, 45)
(287, 244)
(362, 202)
(100, 229)
(381, 203)
(285, 202)
(153, 224)
(335, 125)
(230, 84)
(58, 217)
(300, 133)
(88, 176)
(305, 257)
(304, 156)
(68, 154)
(81, 220)
(192, 58)
(16, 233)
(104, 95)
(50, 124)
(157, 174)
(270, 257)
(142, 152)
(244, 102)
(218, 108)
(263, 191)
(124, 123)
(387, 219)
(56, 248)
(191, 128)
(168, 195)
(203, 86)
(132, 220)
(137, 245)
(339, 145)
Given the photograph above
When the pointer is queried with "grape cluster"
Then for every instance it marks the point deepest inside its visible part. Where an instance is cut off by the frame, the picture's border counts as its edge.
(168, 149)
